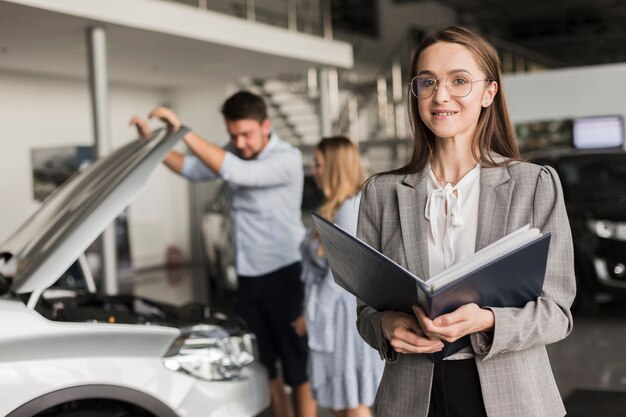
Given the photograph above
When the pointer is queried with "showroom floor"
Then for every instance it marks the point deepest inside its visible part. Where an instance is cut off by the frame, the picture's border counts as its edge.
(590, 365)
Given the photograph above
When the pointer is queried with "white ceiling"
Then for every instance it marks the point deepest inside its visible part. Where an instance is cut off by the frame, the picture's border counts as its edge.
(42, 41)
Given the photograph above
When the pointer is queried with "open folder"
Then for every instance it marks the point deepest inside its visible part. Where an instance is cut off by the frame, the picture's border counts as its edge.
(507, 273)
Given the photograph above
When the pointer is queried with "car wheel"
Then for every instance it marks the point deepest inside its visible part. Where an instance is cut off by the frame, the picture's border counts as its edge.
(90, 413)
(95, 408)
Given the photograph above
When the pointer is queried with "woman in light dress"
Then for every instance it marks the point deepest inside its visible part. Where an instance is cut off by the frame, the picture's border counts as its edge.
(344, 371)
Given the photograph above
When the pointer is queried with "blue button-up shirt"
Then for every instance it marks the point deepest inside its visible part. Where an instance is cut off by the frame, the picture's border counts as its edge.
(265, 197)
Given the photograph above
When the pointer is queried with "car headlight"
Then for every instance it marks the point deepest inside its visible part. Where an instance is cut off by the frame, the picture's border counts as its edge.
(608, 229)
(211, 352)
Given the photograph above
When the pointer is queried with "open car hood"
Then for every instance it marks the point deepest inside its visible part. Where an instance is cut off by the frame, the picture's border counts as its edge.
(72, 217)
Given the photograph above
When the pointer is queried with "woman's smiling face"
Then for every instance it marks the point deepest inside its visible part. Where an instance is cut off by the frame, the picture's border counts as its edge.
(445, 115)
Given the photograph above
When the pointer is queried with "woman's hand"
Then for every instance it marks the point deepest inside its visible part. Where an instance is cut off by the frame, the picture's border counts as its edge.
(466, 319)
(167, 116)
(404, 334)
(299, 325)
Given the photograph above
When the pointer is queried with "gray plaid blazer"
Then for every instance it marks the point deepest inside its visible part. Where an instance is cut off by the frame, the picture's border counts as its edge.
(515, 374)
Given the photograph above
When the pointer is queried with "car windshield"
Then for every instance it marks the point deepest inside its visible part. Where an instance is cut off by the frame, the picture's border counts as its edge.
(594, 179)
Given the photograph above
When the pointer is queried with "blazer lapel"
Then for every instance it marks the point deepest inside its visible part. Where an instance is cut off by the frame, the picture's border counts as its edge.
(412, 196)
(493, 208)
(496, 190)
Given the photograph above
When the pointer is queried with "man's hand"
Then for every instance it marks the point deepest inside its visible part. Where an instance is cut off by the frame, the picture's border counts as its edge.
(405, 336)
(142, 126)
(299, 325)
(465, 320)
(168, 116)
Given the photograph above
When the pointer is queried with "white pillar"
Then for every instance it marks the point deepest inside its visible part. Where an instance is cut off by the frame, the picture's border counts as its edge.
(326, 127)
(99, 88)
(397, 89)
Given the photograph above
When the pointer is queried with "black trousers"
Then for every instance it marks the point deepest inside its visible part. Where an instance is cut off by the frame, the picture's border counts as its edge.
(269, 304)
(456, 390)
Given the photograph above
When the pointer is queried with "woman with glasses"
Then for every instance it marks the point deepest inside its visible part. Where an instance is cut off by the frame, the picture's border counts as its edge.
(465, 187)
(343, 371)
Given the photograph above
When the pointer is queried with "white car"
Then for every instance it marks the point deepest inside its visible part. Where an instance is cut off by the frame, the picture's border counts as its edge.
(77, 353)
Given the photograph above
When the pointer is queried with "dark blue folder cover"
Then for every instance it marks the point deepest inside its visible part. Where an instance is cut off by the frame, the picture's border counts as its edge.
(510, 281)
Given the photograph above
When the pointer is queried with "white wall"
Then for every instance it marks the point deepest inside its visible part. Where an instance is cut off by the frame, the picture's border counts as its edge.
(198, 109)
(573, 92)
(35, 113)
(42, 111)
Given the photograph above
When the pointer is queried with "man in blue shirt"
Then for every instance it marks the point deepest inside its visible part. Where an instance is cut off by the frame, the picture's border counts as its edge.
(265, 179)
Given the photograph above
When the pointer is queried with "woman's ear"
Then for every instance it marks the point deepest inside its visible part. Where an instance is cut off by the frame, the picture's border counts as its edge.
(490, 94)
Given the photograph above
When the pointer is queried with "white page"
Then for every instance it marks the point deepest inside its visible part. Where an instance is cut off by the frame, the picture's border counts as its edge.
(511, 235)
(486, 255)
(453, 268)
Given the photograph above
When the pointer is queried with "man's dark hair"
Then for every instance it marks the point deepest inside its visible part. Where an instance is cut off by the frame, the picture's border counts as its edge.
(244, 105)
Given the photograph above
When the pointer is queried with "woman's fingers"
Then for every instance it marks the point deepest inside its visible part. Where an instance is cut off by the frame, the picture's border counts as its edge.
(467, 319)
(405, 335)
(425, 323)
(448, 327)
(416, 344)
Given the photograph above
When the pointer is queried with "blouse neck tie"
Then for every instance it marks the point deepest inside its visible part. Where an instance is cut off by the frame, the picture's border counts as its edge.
(445, 197)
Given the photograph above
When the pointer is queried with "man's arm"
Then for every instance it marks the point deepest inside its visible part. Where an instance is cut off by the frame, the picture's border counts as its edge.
(211, 155)
(175, 161)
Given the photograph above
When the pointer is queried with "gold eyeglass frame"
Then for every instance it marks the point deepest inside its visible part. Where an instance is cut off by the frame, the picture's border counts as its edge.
(437, 84)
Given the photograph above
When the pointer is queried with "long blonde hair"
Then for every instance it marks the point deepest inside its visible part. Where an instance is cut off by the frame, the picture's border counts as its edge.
(343, 174)
(342, 177)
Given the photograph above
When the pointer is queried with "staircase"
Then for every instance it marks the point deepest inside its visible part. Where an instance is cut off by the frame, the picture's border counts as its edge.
(291, 106)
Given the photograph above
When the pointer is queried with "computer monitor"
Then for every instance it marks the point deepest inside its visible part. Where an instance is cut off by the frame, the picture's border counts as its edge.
(598, 132)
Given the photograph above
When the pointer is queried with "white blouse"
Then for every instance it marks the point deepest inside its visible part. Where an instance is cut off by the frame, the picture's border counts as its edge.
(453, 215)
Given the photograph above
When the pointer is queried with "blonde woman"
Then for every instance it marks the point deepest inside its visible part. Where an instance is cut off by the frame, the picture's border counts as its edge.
(344, 371)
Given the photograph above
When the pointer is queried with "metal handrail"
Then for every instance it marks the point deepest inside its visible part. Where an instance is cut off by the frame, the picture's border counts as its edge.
(514, 56)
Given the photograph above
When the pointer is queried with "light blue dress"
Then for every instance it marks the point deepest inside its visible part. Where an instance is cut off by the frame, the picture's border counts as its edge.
(343, 370)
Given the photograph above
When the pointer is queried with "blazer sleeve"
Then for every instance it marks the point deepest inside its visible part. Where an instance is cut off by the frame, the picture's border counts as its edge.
(548, 319)
(368, 230)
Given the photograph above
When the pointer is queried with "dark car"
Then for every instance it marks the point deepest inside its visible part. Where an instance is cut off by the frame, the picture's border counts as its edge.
(594, 186)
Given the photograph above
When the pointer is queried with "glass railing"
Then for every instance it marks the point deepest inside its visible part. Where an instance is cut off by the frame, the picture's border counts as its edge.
(307, 16)
(517, 59)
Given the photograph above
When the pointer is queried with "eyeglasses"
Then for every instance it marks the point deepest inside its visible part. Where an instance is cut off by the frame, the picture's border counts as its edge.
(458, 85)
